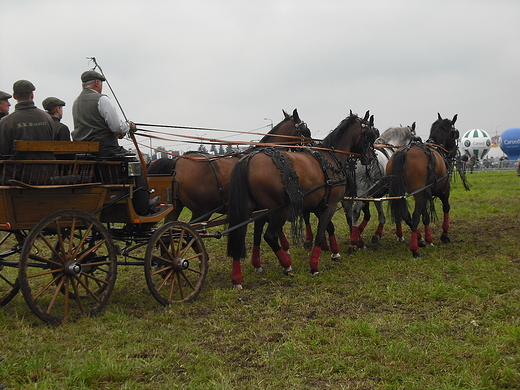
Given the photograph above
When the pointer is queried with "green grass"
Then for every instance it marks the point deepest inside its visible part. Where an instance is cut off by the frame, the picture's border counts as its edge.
(380, 319)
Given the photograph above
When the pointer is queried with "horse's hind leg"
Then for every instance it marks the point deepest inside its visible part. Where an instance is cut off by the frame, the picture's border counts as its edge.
(420, 206)
(308, 230)
(257, 238)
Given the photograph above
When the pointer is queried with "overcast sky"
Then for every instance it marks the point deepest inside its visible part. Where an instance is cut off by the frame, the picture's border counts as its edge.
(230, 64)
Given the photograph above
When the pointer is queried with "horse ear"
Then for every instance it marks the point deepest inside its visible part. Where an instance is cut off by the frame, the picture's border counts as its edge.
(351, 113)
(366, 116)
(454, 119)
(439, 116)
(285, 114)
(413, 126)
(372, 121)
(295, 115)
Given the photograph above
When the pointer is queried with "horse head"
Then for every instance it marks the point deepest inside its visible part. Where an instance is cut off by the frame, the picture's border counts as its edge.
(369, 134)
(291, 126)
(444, 133)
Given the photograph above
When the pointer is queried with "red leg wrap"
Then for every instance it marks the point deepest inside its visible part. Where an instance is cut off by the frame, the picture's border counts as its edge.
(446, 222)
(283, 241)
(283, 258)
(334, 248)
(236, 273)
(399, 230)
(354, 235)
(428, 234)
(324, 244)
(414, 246)
(379, 231)
(362, 226)
(315, 257)
(255, 257)
(308, 232)
(419, 235)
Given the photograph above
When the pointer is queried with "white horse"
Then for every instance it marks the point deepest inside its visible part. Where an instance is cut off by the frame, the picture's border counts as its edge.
(370, 183)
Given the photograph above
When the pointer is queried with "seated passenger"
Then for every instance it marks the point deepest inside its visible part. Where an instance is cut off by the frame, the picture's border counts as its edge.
(27, 122)
(54, 107)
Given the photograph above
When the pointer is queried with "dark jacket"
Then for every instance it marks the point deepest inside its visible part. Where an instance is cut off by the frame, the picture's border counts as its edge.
(61, 131)
(27, 122)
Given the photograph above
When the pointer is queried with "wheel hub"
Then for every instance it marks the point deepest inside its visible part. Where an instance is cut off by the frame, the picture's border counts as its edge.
(73, 268)
(180, 264)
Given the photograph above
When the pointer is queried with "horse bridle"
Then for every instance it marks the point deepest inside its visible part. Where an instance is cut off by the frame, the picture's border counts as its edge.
(300, 128)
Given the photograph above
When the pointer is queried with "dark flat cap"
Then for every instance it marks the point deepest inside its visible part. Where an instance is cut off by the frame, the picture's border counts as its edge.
(90, 75)
(51, 102)
(23, 86)
(4, 95)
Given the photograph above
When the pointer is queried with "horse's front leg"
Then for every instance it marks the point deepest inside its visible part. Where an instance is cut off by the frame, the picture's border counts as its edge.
(378, 234)
(352, 214)
(308, 230)
(446, 221)
(272, 235)
(323, 221)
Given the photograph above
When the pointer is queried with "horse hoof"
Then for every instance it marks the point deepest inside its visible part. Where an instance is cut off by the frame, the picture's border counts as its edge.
(376, 239)
(416, 254)
(422, 244)
(259, 270)
(445, 239)
(308, 245)
(237, 287)
(288, 271)
(335, 257)
(315, 272)
(400, 239)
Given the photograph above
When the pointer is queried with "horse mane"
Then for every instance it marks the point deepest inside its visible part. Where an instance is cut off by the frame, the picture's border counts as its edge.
(162, 165)
(274, 130)
(333, 137)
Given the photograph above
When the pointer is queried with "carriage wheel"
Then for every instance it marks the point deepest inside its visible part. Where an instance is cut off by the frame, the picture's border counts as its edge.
(10, 244)
(176, 263)
(67, 266)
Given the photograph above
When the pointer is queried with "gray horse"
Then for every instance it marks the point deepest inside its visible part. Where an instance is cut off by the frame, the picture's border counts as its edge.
(370, 185)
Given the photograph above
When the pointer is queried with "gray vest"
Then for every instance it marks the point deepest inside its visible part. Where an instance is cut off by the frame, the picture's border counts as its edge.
(89, 125)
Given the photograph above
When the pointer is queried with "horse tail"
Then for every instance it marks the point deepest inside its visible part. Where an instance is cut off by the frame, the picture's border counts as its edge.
(238, 210)
(397, 187)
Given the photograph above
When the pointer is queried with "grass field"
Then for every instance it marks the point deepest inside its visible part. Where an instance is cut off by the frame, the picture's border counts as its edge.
(379, 319)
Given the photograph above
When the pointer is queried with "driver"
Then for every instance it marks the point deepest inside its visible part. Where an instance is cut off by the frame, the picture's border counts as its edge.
(96, 120)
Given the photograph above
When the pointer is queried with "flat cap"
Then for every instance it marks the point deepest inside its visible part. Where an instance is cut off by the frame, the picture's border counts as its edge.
(90, 75)
(23, 86)
(51, 102)
(4, 95)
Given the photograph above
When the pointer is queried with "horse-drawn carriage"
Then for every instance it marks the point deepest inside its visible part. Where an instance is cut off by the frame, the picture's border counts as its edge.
(65, 223)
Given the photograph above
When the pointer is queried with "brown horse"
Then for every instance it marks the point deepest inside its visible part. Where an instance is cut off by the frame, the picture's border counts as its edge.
(202, 180)
(423, 170)
(289, 183)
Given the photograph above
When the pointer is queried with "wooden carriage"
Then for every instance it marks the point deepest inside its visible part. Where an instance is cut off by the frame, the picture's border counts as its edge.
(66, 224)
